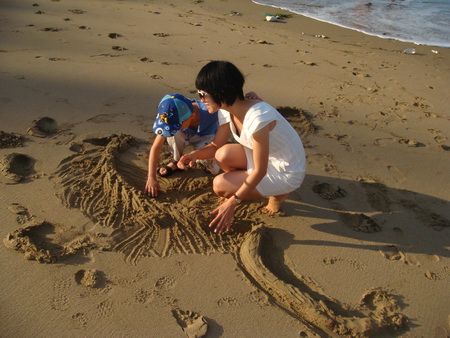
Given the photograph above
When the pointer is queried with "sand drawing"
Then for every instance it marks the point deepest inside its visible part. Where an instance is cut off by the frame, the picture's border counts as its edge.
(175, 223)
(104, 183)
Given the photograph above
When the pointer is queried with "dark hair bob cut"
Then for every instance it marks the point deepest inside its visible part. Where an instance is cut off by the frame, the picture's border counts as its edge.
(222, 80)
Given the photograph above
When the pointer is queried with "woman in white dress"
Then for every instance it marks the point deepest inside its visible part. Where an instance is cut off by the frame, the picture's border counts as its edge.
(268, 160)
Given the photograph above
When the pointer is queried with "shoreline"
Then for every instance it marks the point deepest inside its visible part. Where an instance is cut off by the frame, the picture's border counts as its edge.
(378, 35)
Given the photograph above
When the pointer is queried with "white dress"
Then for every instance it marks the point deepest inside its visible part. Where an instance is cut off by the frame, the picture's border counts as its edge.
(287, 161)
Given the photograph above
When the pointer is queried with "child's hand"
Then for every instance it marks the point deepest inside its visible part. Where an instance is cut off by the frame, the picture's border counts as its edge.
(152, 187)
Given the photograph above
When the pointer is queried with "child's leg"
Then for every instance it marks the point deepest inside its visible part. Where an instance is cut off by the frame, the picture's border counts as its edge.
(177, 144)
(199, 142)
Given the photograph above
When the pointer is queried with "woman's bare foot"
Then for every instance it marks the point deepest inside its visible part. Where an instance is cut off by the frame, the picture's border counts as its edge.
(273, 207)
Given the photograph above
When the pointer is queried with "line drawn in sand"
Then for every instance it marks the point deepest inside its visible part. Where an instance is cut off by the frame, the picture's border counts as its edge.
(108, 190)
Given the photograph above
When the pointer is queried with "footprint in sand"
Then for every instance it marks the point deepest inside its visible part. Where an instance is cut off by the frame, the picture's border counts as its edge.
(384, 141)
(119, 48)
(360, 222)
(193, 324)
(230, 302)
(428, 217)
(440, 139)
(43, 127)
(17, 167)
(329, 191)
(77, 11)
(377, 196)
(392, 253)
(397, 174)
(105, 308)
(165, 283)
(432, 276)
(143, 296)
(80, 320)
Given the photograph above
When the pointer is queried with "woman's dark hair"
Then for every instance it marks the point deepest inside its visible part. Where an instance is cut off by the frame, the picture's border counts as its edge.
(222, 80)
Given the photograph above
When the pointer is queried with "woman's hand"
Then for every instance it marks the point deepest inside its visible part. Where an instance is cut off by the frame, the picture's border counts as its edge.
(253, 96)
(152, 187)
(188, 159)
(225, 214)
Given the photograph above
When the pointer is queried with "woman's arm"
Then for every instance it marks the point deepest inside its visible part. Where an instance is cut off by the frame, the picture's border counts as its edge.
(261, 161)
(208, 151)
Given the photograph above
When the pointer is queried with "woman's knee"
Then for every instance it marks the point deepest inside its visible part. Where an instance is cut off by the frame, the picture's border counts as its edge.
(219, 185)
(231, 157)
(223, 154)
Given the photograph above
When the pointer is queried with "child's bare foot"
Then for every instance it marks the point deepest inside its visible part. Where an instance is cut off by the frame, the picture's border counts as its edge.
(273, 207)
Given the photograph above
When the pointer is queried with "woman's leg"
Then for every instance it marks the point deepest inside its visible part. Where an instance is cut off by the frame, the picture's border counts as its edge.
(226, 184)
(273, 206)
(231, 157)
(232, 160)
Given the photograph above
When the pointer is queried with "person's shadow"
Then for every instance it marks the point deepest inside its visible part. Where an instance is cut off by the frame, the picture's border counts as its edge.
(400, 221)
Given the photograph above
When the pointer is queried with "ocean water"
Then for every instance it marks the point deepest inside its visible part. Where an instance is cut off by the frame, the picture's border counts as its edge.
(425, 22)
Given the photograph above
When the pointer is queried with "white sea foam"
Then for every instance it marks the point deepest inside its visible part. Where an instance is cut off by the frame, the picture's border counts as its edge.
(424, 22)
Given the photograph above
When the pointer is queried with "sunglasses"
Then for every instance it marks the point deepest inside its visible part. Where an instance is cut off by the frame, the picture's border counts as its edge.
(202, 95)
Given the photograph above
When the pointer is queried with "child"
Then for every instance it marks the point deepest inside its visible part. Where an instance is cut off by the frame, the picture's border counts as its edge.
(182, 122)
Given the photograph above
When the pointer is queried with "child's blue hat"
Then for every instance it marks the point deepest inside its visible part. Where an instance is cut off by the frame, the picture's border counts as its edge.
(173, 110)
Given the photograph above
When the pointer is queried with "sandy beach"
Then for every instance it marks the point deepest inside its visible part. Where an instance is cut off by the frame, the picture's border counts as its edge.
(363, 247)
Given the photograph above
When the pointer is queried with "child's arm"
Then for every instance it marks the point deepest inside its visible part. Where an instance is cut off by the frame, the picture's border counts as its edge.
(152, 186)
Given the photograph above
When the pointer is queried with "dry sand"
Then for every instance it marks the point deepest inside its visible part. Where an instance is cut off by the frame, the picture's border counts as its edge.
(362, 250)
